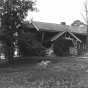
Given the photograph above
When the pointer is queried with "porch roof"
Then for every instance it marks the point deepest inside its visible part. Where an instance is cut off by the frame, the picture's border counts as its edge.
(60, 34)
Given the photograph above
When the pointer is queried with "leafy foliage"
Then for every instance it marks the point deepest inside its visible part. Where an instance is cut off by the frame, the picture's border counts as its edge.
(77, 23)
(13, 13)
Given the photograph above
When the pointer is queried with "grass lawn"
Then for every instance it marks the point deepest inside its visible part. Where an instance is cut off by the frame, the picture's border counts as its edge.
(66, 72)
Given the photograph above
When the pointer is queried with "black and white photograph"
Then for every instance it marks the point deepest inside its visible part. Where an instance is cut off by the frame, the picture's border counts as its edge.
(43, 43)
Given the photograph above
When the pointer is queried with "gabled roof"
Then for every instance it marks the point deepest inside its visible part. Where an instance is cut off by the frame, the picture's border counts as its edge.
(53, 27)
(50, 26)
(58, 27)
(60, 34)
(30, 25)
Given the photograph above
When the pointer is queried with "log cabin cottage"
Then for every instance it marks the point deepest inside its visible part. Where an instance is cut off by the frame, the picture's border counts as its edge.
(57, 39)
(63, 40)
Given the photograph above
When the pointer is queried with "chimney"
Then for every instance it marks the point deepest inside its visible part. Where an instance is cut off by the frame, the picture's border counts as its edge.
(63, 23)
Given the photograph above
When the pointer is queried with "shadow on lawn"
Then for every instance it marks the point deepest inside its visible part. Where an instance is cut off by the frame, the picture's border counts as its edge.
(20, 61)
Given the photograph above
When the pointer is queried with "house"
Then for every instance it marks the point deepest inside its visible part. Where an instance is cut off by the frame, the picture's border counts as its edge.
(63, 39)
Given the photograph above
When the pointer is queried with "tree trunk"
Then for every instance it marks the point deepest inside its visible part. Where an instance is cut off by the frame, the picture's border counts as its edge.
(11, 54)
(87, 39)
(86, 53)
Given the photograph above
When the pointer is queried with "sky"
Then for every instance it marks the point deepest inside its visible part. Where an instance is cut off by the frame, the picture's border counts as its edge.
(56, 11)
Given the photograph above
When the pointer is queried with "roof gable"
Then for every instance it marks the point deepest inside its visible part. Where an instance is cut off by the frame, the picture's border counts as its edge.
(62, 33)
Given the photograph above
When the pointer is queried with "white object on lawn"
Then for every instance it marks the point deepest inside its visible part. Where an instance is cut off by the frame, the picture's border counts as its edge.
(44, 63)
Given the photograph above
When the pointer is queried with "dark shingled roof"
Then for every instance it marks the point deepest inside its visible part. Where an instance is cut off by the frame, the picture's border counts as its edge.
(50, 26)
(53, 27)
(58, 27)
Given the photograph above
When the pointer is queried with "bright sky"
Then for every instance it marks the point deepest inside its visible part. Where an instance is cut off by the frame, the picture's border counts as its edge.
(56, 11)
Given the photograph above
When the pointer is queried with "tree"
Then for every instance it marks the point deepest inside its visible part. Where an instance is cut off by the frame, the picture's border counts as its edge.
(85, 17)
(77, 23)
(12, 14)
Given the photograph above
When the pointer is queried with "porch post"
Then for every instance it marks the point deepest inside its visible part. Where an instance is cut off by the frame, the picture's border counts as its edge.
(42, 37)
